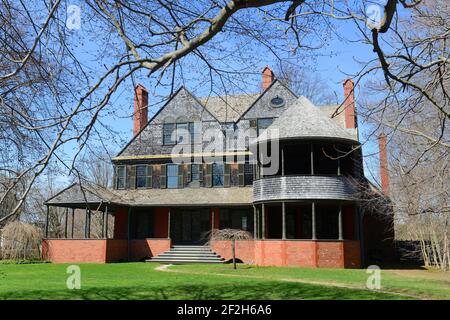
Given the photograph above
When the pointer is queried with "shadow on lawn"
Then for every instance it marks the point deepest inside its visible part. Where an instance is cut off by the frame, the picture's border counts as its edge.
(255, 291)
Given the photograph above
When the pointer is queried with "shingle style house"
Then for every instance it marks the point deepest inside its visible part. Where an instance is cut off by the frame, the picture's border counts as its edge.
(202, 163)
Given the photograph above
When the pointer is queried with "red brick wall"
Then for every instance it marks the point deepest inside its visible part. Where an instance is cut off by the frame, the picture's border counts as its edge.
(116, 250)
(325, 254)
(352, 254)
(74, 251)
(330, 254)
(147, 248)
(245, 250)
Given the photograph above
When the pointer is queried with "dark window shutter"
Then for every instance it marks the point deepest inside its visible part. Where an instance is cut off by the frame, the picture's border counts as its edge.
(208, 175)
(256, 170)
(127, 176)
(133, 177)
(200, 172)
(226, 175)
(114, 181)
(241, 175)
(163, 176)
(149, 178)
(188, 173)
(180, 176)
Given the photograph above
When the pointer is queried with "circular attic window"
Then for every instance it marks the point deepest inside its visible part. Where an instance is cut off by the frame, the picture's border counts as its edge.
(277, 102)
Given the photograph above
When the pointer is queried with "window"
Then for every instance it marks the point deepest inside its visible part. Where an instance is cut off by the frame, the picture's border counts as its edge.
(263, 124)
(325, 161)
(195, 172)
(297, 159)
(120, 177)
(141, 176)
(327, 221)
(168, 129)
(217, 174)
(141, 224)
(172, 176)
(181, 132)
(228, 131)
(277, 102)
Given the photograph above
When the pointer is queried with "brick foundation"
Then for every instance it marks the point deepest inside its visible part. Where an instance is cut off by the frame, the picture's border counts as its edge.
(300, 253)
(101, 250)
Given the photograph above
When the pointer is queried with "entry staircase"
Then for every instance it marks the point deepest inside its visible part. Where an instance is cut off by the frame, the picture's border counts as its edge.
(188, 254)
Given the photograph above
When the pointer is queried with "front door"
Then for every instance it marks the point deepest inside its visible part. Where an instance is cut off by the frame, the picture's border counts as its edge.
(189, 227)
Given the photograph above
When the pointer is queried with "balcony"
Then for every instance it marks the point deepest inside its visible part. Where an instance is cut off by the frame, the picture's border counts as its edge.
(303, 187)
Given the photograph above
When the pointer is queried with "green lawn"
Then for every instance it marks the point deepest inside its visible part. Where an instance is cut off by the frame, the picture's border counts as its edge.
(142, 281)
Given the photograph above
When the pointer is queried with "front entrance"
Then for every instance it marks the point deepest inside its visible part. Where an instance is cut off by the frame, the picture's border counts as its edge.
(189, 227)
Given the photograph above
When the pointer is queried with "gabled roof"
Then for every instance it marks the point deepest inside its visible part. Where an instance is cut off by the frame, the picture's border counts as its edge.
(304, 120)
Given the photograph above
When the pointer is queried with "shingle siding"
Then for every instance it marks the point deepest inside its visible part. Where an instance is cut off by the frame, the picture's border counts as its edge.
(303, 187)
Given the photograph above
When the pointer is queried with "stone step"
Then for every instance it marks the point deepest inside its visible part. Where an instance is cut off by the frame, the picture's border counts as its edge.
(188, 254)
(176, 261)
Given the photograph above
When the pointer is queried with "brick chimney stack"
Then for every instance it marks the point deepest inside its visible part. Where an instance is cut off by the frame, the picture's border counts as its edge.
(267, 78)
(349, 104)
(140, 116)
(384, 172)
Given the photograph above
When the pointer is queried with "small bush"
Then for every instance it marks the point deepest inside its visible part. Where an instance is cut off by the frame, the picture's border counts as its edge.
(20, 241)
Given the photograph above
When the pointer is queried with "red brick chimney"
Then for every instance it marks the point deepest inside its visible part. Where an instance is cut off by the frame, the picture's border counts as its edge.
(349, 104)
(267, 78)
(140, 116)
(384, 172)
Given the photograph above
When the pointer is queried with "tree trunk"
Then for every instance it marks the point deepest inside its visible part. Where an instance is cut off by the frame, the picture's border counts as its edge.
(233, 249)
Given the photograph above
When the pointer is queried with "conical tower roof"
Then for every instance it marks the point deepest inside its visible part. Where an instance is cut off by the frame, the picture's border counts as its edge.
(303, 120)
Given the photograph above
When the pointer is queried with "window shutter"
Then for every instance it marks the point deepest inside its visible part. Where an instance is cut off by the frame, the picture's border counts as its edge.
(163, 176)
(114, 181)
(180, 176)
(133, 177)
(241, 174)
(256, 170)
(127, 176)
(200, 172)
(149, 178)
(188, 173)
(208, 175)
(227, 175)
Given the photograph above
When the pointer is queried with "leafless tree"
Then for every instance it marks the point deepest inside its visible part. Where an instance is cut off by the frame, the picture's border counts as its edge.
(229, 234)
(58, 86)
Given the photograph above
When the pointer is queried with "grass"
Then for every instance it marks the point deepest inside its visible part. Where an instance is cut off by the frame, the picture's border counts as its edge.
(142, 281)
(425, 284)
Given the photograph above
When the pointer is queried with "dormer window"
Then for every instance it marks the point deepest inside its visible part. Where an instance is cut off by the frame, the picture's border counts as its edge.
(277, 102)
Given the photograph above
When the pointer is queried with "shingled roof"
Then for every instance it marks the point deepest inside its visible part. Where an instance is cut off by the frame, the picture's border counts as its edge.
(228, 108)
(80, 196)
(93, 196)
(187, 196)
(304, 120)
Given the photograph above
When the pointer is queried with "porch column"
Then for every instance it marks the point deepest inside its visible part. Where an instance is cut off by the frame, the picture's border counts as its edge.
(73, 221)
(283, 220)
(86, 223)
(212, 219)
(46, 222)
(65, 222)
(255, 227)
(313, 218)
(168, 224)
(128, 234)
(341, 234)
(106, 222)
(263, 222)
